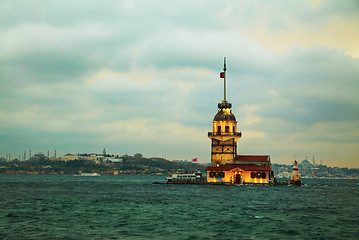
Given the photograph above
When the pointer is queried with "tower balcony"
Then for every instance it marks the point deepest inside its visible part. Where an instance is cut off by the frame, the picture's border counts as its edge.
(223, 136)
(224, 104)
(237, 134)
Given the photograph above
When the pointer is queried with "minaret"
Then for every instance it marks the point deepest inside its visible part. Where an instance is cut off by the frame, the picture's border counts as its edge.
(224, 133)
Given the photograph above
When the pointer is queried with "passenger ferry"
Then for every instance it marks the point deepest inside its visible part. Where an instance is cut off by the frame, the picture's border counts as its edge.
(185, 176)
(90, 174)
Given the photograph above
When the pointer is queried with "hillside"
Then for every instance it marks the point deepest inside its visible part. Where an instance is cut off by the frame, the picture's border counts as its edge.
(128, 165)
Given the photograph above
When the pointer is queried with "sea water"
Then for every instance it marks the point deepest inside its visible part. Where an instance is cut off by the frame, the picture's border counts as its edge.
(131, 207)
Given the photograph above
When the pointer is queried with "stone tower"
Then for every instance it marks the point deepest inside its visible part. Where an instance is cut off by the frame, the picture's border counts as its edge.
(224, 135)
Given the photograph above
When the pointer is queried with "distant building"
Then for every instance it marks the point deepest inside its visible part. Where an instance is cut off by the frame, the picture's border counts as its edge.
(39, 155)
(305, 164)
(114, 160)
(90, 157)
(69, 157)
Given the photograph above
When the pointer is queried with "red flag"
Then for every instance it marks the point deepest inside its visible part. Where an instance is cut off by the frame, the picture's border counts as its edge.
(221, 75)
(194, 160)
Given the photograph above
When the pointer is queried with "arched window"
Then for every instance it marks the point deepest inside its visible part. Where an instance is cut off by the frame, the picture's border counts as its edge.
(227, 129)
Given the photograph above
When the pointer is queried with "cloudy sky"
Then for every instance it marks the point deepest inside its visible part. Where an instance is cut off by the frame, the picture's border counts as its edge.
(143, 77)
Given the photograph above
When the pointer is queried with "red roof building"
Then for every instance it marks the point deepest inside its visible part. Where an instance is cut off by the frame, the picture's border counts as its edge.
(253, 158)
(240, 174)
(243, 167)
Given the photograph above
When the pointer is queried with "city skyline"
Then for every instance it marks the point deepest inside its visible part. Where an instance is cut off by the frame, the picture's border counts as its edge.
(26, 155)
(134, 77)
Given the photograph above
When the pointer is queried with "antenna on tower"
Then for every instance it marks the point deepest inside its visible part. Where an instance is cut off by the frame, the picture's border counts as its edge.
(224, 69)
(223, 75)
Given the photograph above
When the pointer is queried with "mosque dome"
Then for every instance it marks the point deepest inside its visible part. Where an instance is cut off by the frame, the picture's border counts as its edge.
(224, 114)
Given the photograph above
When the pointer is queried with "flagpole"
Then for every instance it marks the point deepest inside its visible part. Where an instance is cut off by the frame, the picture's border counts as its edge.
(224, 69)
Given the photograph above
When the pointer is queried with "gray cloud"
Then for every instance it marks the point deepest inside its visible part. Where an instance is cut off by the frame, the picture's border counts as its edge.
(313, 110)
(135, 76)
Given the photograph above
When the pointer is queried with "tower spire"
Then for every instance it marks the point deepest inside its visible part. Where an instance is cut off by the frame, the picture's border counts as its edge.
(224, 70)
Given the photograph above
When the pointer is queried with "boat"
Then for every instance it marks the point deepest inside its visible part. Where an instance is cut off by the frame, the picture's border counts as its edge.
(90, 174)
(185, 177)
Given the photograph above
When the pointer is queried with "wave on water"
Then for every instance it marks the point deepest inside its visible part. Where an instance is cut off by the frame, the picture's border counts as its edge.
(131, 207)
